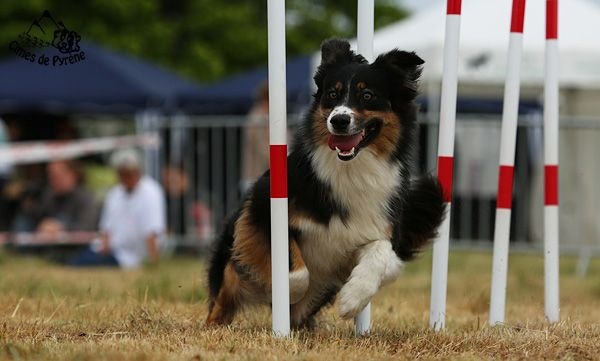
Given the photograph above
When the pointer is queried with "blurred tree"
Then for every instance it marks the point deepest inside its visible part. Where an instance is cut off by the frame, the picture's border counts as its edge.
(202, 39)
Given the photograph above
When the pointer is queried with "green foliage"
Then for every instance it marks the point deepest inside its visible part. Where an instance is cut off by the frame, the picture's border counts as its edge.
(203, 39)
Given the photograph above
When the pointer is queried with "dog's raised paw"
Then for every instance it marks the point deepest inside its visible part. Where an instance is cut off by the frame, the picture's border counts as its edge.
(354, 296)
(299, 281)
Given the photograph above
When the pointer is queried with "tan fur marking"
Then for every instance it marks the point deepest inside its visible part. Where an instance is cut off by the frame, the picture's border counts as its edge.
(297, 217)
(222, 309)
(296, 256)
(319, 125)
(249, 248)
(388, 231)
(390, 134)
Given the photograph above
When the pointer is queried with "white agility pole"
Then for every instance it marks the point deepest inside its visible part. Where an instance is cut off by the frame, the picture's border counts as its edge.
(510, 113)
(439, 274)
(278, 166)
(551, 265)
(365, 30)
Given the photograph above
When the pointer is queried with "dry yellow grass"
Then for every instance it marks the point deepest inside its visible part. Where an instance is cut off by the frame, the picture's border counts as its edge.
(48, 312)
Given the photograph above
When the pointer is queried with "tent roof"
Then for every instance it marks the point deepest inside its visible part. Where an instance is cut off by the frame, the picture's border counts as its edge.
(237, 94)
(484, 41)
(105, 82)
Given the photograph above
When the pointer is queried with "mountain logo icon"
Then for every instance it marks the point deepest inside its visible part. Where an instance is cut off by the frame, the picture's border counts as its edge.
(47, 32)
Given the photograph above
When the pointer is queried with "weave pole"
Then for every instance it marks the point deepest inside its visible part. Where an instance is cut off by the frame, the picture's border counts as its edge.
(278, 166)
(510, 113)
(551, 281)
(365, 29)
(439, 274)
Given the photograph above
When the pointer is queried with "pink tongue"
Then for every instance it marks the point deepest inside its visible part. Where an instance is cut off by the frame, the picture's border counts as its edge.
(344, 142)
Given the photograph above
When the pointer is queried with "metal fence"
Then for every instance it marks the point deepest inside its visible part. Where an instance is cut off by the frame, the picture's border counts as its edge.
(200, 163)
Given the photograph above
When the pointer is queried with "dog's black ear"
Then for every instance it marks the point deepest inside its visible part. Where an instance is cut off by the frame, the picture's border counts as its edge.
(403, 65)
(408, 63)
(335, 52)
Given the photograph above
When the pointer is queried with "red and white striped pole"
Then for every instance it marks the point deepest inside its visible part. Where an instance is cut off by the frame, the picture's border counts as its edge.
(510, 113)
(278, 166)
(365, 32)
(551, 265)
(439, 274)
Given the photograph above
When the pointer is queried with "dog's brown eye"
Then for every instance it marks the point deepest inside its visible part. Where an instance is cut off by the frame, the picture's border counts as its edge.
(367, 95)
(332, 94)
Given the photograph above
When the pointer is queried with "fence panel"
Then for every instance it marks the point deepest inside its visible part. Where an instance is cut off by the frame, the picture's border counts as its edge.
(207, 152)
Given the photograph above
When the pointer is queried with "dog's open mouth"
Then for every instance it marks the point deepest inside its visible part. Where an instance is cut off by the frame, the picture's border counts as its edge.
(348, 146)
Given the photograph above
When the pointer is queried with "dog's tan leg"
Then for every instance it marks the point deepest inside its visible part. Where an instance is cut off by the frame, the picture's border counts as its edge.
(251, 250)
(222, 309)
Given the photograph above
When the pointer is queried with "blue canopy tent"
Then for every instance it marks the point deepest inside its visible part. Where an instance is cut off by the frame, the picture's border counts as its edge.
(237, 94)
(104, 82)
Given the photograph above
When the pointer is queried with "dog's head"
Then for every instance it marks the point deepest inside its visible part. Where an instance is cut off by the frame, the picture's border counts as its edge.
(362, 106)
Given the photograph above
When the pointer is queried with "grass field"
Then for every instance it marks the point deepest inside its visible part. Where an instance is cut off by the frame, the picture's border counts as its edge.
(49, 312)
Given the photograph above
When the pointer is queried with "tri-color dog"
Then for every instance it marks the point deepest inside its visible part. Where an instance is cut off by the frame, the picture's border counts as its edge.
(355, 213)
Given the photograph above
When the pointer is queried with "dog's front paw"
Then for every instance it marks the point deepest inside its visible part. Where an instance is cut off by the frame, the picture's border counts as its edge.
(299, 281)
(354, 296)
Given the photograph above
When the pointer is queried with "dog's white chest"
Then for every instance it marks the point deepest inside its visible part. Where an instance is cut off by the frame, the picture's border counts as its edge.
(365, 189)
(331, 248)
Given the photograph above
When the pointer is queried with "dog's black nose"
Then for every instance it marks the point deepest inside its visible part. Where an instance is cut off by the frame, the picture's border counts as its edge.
(340, 122)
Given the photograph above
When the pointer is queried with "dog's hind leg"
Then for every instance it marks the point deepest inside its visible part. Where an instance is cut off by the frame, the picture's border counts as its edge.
(252, 252)
(318, 295)
(223, 307)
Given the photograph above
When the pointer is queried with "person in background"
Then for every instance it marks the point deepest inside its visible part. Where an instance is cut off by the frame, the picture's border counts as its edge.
(255, 146)
(178, 199)
(64, 205)
(7, 201)
(132, 221)
(6, 168)
(186, 216)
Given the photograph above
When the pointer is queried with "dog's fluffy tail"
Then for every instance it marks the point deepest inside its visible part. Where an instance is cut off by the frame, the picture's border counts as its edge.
(422, 214)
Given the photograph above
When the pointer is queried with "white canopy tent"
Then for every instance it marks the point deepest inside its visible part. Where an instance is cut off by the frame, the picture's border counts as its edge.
(484, 39)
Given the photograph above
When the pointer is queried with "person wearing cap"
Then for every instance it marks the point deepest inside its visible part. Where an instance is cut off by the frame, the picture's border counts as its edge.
(132, 221)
